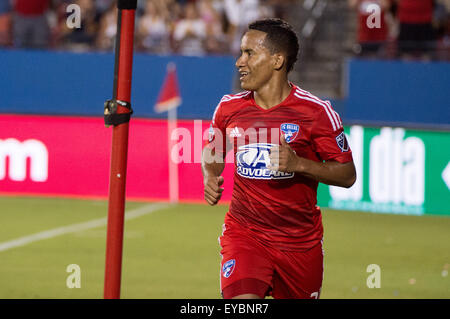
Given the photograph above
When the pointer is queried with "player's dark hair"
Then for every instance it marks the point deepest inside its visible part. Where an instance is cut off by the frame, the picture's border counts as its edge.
(280, 38)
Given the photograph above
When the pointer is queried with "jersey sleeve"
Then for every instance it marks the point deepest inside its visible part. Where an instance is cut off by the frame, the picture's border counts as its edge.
(328, 137)
(217, 132)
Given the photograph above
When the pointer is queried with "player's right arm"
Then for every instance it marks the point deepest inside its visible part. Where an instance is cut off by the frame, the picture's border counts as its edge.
(213, 159)
(212, 179)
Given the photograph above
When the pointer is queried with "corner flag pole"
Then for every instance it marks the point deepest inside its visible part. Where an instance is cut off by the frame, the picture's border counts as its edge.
(173, 167)
(168, 100)
(119, 112)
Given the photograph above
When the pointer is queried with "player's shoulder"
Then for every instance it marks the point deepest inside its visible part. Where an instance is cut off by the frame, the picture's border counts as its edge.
(231, 102)
(308, 99)
(230, 99)
(317, 107)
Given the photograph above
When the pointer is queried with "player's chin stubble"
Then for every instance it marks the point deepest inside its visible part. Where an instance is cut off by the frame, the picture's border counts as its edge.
(246, 86)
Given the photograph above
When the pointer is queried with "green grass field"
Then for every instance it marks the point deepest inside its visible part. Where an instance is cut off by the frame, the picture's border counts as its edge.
(174, 253)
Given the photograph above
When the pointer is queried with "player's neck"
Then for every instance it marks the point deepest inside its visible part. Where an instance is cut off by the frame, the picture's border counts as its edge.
(272, 94)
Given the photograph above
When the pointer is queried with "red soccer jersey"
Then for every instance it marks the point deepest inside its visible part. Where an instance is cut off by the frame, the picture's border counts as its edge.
(277, 208)
(31, 8)
(415, 11)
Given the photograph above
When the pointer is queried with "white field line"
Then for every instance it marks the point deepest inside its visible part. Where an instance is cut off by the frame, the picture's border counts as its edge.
(22, 241)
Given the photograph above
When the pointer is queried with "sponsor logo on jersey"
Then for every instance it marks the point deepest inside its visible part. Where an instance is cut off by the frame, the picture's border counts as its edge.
(252, 161)
(235, 132)
(228, 268)
(290, 131)
(341, 141)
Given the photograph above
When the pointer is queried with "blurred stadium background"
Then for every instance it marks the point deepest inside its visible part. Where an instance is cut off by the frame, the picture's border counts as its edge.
(390, 84)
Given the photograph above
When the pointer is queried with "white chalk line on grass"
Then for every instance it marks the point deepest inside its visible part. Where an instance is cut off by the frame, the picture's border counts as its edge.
(22, 241)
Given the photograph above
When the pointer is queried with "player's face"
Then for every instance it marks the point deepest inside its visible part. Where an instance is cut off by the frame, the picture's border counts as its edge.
(254, 64)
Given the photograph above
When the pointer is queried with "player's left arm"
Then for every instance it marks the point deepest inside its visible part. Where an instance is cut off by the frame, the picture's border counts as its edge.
(283, 158)
(328, 172)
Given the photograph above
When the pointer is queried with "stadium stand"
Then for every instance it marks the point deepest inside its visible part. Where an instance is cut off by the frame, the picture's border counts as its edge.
(329, 30)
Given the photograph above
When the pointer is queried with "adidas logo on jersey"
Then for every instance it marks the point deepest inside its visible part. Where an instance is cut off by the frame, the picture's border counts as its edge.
(235, 132)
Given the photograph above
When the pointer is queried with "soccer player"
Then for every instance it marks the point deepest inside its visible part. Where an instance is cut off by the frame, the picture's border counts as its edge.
(285, 141)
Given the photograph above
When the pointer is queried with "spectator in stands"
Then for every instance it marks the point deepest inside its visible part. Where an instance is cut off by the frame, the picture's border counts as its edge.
(5, 23)
(102, 6)
(440, 18)
(215, 38)
(278, 8)
(153, 31)
(372, 29)
(30, 25)
(416, 36)
(443, 41)
(107, 29)
(175, 9)
(239, 14)
(192, 27)
(446, 40)
(190, 32)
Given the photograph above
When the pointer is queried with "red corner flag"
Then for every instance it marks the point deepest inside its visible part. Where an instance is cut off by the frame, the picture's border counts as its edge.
(169, 96)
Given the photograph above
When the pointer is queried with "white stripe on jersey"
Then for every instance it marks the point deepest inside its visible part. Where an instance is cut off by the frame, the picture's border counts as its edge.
(235, 96)
(214, 114)
(326, 109)
(336, 114)
(339, 118)
(328, 106)
(332, 115)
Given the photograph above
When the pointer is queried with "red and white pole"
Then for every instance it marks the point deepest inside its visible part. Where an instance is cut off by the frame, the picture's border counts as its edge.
(119, 151)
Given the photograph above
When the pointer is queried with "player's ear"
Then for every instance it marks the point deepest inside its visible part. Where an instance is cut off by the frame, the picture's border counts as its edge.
(278, 61)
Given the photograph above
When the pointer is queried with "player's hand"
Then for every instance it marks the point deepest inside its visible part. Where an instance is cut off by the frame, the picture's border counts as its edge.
(213, 190)
(283, 157)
